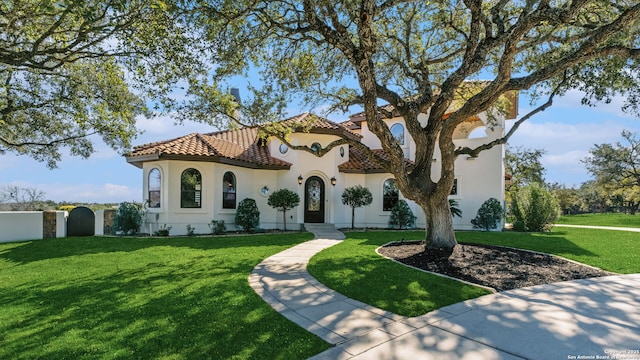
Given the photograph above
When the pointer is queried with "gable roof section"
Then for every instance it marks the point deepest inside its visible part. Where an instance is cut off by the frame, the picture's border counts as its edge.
(359, 163)
(314, 124)
(241, 147)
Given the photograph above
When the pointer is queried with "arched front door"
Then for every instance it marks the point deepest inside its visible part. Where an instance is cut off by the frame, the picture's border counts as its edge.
(314, 200)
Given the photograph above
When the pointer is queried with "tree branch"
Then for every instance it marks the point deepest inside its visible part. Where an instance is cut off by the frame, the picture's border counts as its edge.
(475, 151)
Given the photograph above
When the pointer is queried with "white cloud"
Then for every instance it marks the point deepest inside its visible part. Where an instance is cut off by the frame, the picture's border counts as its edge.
(566, 144)
(9, 161)
(154, 125)
(572, 100)
(159, 128)
(569, 158)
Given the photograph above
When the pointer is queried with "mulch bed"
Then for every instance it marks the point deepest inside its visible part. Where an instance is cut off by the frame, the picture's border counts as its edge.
(497, 267)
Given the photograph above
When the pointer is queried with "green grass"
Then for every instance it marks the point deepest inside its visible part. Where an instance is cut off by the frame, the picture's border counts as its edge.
(354, 269)
(609, 219)
(153, 298)
(188, 298)
(612, 250)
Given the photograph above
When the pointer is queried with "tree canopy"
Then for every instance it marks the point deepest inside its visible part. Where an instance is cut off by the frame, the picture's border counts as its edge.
(355, 197)
(616, 168)
(524, 165)
(72, 69)
(283, 200)
(429, 57)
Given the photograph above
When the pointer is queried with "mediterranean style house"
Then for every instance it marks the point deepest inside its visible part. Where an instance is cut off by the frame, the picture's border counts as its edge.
(194, 179)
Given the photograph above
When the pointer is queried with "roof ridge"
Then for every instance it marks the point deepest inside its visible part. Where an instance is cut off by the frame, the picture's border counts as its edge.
(205, 141)
(240, 131)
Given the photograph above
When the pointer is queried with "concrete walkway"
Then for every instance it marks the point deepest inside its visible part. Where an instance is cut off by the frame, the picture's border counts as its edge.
(583, 318)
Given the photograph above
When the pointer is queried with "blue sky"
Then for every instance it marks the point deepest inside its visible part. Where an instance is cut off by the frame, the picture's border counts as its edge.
(566, 131)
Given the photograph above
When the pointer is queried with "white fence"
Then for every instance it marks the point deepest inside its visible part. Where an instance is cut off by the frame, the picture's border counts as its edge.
(37, 225)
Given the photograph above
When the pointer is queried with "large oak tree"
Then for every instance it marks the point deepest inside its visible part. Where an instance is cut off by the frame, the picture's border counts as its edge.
(66, 67)
(71, 69)
(423, 57)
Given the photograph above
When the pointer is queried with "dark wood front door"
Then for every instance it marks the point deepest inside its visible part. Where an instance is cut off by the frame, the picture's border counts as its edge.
(314, 200)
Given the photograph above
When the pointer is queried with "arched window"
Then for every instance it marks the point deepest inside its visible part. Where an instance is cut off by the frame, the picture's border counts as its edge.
(389, 194)
(153, 185)
(229, 191)
(191, 189)
(397, 130)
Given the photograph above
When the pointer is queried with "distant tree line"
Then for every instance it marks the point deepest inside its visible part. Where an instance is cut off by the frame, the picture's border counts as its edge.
(17, 198)
(615, 186)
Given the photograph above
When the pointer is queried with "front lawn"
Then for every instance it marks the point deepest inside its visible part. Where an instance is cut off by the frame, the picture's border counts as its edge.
(354, 269)
(608, 219)
(189, 298)
(143, 298)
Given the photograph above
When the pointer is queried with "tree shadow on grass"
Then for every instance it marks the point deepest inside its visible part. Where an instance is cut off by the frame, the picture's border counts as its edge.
(556, 242)
(372, 279)
(30, 251)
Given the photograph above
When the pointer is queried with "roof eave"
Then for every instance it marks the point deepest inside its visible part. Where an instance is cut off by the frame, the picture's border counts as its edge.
(363, 171)
(138, 160)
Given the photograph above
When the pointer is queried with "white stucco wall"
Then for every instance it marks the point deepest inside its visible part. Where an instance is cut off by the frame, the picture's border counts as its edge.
(20, 225)
(61, 223)
(99, 223)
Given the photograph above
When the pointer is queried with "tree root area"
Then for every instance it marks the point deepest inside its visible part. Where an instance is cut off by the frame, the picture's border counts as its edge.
(497, 267)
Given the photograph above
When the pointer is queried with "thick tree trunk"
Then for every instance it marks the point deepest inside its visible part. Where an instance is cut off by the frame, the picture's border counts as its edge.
(440, 237)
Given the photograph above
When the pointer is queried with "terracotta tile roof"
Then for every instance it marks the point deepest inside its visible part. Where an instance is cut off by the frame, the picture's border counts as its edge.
(192, 144)
(351, 125)
(360, 163)
(318, 125)
(242, 147)
(359, 117)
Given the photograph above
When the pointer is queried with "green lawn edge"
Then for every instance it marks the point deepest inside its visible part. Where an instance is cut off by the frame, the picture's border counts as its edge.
(354, 269)
(605, 219)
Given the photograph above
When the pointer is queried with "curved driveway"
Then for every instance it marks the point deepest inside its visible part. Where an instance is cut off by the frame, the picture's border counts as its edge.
(582, 319)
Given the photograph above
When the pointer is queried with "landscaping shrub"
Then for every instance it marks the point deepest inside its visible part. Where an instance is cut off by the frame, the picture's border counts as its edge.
(401, 216)
(454, 207)
(191, 230)
(163, 231)
(217, 226)
(247, 215)
(283, 200)
(356, 196)
(489, 215)
(127, 219)
(533, 208)
(66, 208)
